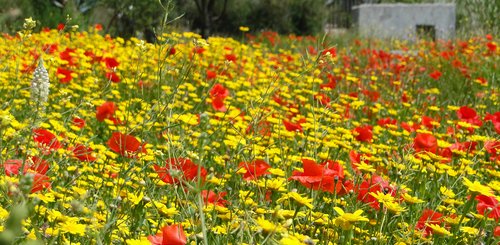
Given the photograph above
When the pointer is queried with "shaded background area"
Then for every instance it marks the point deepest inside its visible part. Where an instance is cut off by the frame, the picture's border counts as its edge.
(127, 18)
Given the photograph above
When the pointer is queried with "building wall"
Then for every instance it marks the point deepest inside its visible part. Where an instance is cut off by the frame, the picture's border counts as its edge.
(401, 20)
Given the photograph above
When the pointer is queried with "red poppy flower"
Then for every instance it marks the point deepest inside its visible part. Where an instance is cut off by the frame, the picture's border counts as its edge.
(428, 122)
(83, 153)
(113, 77)
(254, 169)
(198, 50)
(218, 104)
(45, 138)
(111, 62)
(182, 168)
(373, 185)
(230, 57)
(289, 126)
(213, 198)
(60, 26)
(64, 75)
(98, 27)
(323, 99)
(425, 142)
(327, 176)
(67, 56)
(78, 122)
(40, 182)
(386, 121)
(469, 115)
(125, 145)
(435, 74)
(218, 93)
(169, 235)
(410, 127)
(218, 90)
(495, 119)
(264, 128)
(330, 51)
(50, 48)
(332, 82)
(491, 46)
(34, 164)
(488, 205)
(428, 217)
(105, 111)
(364, 133)
(496, 231)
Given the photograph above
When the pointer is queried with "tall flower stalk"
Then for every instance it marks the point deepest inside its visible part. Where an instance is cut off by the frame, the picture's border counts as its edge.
(40, 87)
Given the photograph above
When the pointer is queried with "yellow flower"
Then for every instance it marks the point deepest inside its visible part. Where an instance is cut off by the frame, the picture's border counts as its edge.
(142, 241)
(411, 199)
(383, 198)
(304, 201)
(269, 227)
(363, 167)
(276, 184)
(346, 220)
(244, 28)
(394, 207)
(71, 226)
(477, 188)
(469, 230)
(438, 230)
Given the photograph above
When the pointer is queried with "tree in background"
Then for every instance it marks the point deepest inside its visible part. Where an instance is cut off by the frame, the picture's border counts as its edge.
(207, 15)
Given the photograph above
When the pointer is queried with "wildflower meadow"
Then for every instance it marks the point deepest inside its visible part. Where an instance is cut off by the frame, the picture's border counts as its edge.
(262, 139)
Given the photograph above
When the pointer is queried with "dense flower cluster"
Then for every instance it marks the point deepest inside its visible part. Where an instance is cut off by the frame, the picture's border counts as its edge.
(270, 139)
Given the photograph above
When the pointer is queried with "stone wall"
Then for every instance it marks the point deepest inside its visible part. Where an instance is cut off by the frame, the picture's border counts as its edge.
(405, 21)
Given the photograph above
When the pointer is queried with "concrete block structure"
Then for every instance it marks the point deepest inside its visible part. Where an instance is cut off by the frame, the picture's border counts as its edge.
(405, 21)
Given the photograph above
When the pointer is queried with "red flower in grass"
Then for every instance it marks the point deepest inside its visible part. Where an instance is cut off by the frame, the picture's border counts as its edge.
(425, 142)
(105, 111)
(40, 182)
(364, 133)
(83, 153)
(264, 128)
(493, 148)
(111, 62)
(327, 176)
(211, 75)
(169, 235)
(495, 119)
(113, 77)
(67, 56)
(373, 185)
(126, 145)
(60, 26)
(181, 168)
(435, 74)
(218, 93)
(496, 231)
(254, 169)
(323, 99)
(428, 122)
(289, 126)
(218, 90)
(213, 198)
(218, 104)
(64, 75)
(428, 217)
(34, 164)
(45, 138)
(469, 115)
(386, 121)
(488, 205)
(79, 122)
